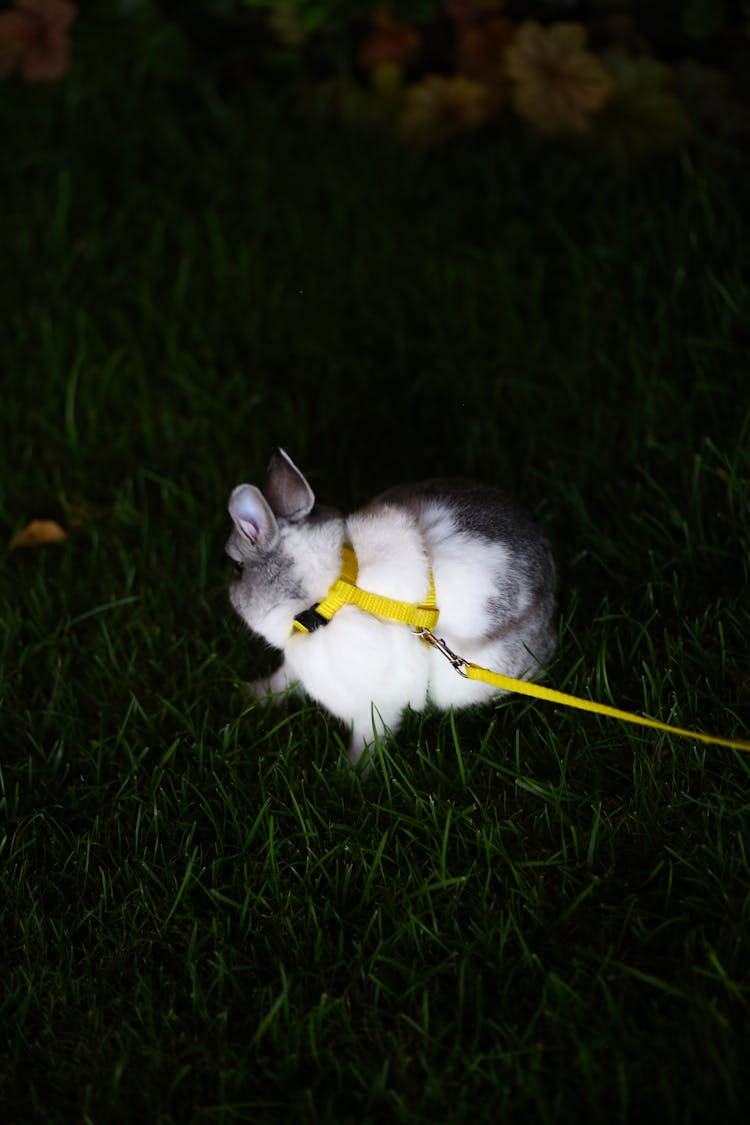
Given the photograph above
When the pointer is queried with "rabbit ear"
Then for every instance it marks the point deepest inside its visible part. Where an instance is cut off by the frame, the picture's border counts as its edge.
(289, 494)
(252, 516)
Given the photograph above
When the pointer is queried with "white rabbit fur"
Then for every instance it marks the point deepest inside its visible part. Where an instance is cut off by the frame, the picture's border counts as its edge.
(494, 580)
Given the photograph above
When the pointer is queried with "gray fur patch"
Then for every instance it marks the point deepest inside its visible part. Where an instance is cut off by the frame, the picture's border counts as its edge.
(476, 508)
(264, 582)
(523, 601)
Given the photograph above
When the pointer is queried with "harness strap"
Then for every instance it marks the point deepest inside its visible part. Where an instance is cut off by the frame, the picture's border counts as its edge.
(345, 591)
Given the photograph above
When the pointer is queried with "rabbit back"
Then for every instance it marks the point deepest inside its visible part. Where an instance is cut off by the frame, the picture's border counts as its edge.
(493, 568)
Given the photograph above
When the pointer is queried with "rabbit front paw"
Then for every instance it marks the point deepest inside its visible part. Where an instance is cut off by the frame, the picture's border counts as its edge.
(271, 691)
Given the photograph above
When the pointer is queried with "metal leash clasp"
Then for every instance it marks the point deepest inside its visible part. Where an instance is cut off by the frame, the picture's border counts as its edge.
(457, 661)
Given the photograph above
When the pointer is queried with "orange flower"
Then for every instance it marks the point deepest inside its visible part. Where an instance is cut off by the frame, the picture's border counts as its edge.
(34, 39)
(480, 54)
(388, 42)
(466, 12)
(558, 84)
(16, 34)
(481, 47)
(436, 108)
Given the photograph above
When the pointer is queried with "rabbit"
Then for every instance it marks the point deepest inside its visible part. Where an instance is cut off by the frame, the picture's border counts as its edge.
(494, 579)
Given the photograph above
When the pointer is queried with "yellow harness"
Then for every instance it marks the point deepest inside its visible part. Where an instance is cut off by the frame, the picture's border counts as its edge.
(345, 591)
(423, 618)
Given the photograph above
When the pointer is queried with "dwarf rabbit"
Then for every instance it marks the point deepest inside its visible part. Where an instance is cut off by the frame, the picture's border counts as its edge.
(494, 580)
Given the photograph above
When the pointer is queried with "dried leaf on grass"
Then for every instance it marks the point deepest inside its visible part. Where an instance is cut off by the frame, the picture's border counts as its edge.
(37, 533)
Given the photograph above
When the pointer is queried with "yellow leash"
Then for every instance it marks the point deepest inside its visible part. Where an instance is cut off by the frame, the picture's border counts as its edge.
(524, 687)
(424, 616)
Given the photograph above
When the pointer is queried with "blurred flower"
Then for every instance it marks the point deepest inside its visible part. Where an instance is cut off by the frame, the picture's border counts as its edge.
(703, 89)
(558, 84)
(286, 25)
(466, 12)
(15, 34)
(481, 45)
(388, 43)
(386, 82)
(480, 53)
(34, 39)
(709, 99)
(436, 108)
(616, 29)
(346, 101)
(645, 112)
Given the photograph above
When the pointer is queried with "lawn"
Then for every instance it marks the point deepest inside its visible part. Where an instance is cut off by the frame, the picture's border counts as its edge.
(523, 913)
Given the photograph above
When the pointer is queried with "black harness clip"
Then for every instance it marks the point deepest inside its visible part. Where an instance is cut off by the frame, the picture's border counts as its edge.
(310, 620)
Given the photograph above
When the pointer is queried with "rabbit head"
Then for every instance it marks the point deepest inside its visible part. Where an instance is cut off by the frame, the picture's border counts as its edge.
(282, 549)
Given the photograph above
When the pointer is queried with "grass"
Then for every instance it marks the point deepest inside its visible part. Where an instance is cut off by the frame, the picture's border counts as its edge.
(523, 913)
